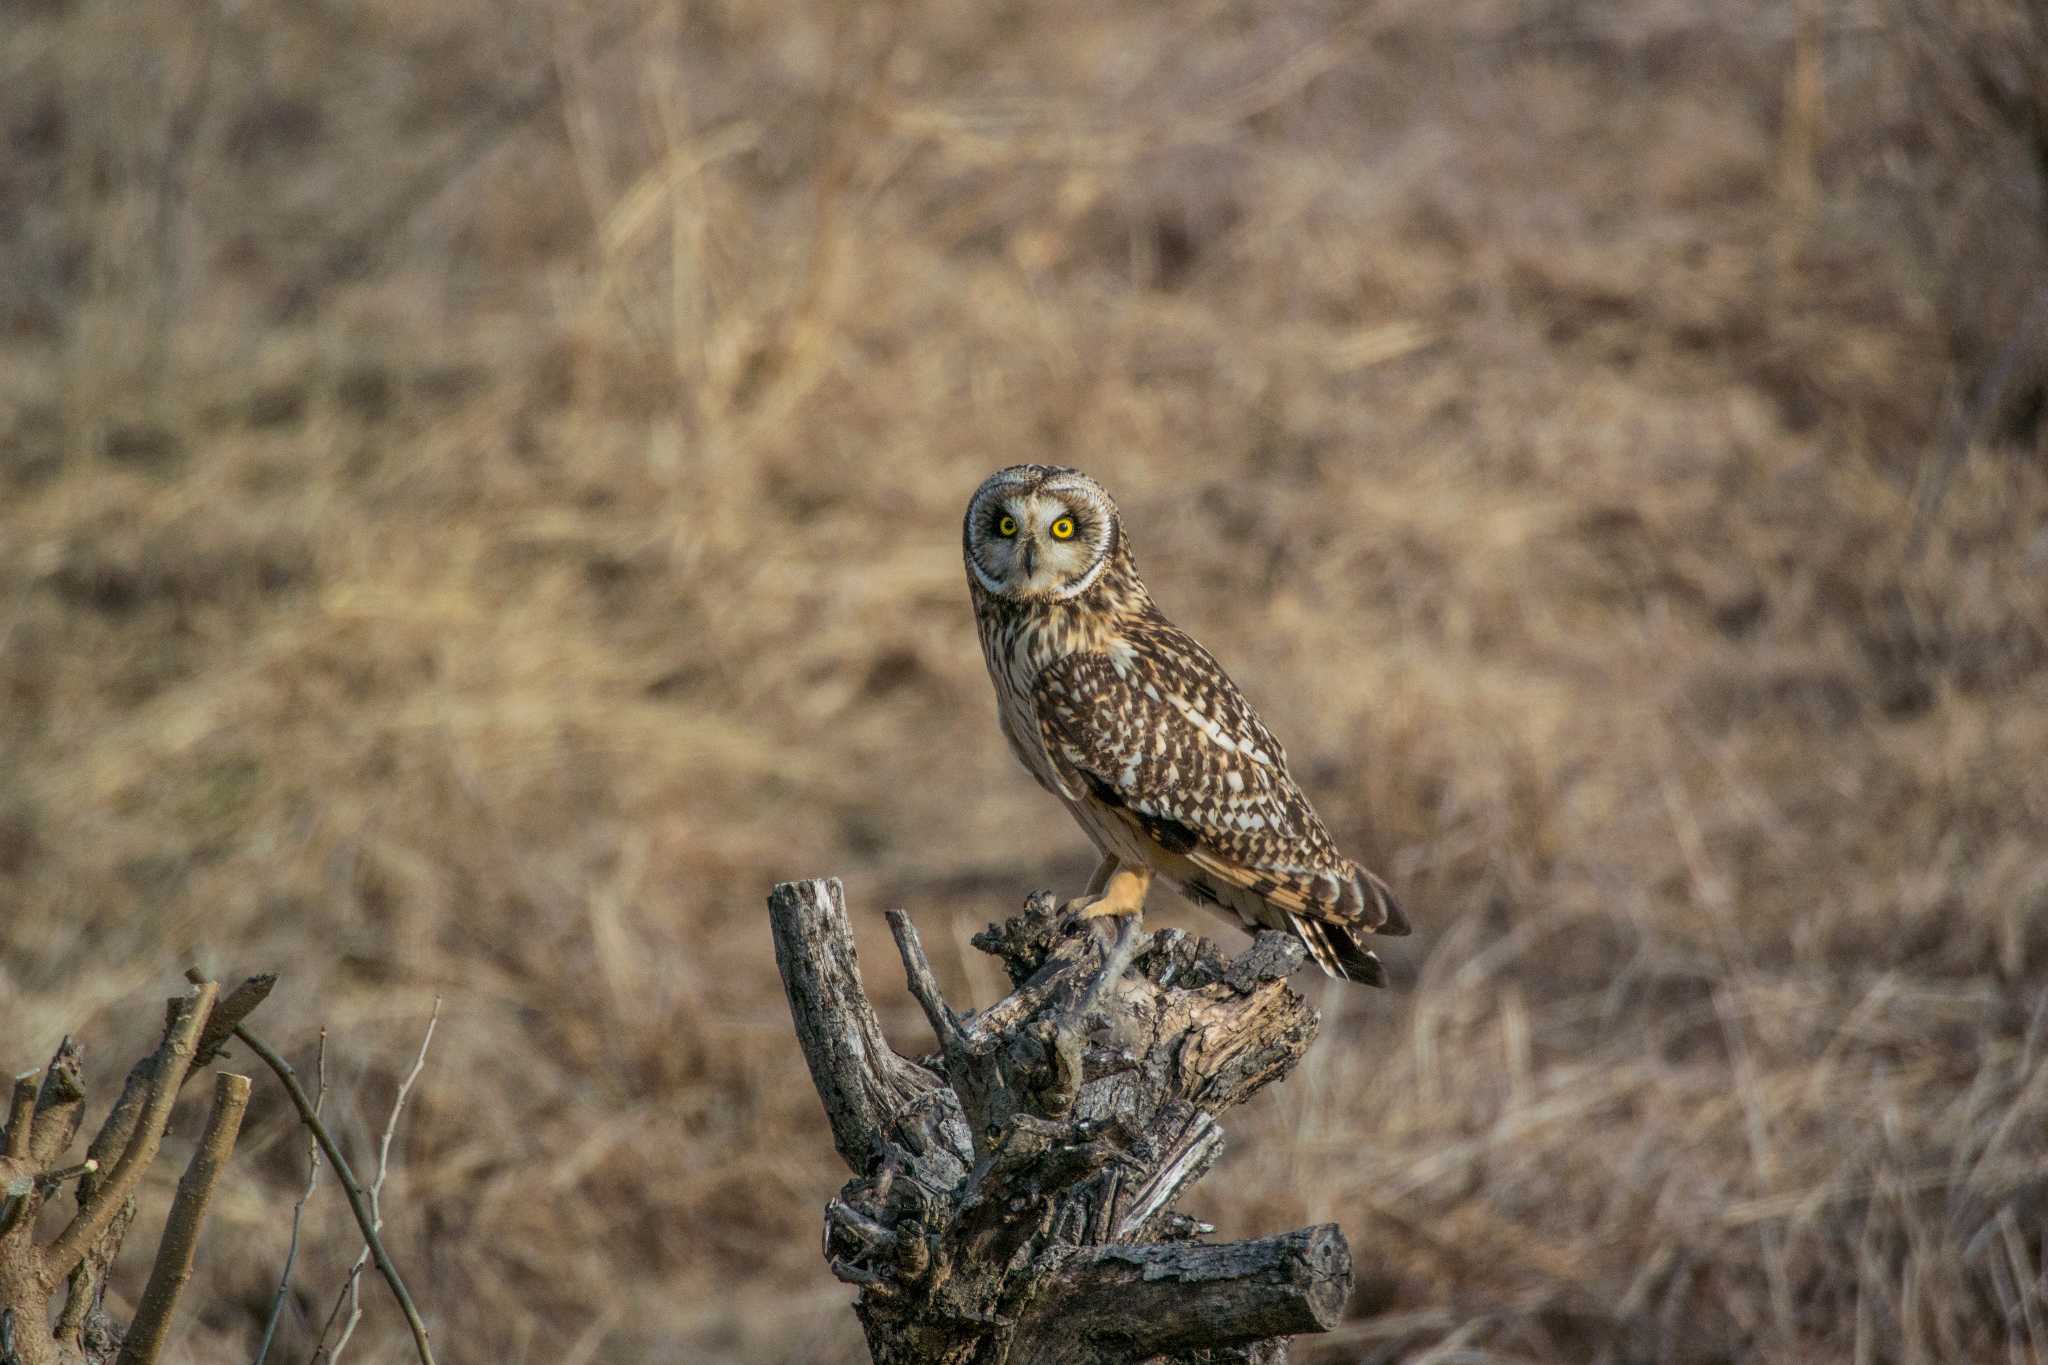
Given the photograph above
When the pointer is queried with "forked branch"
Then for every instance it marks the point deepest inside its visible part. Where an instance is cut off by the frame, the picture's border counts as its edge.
(1020, 1209)
(358, 1199)
(43, 1120)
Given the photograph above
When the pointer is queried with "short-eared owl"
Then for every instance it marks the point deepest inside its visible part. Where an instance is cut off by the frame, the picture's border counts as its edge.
(1120, 714)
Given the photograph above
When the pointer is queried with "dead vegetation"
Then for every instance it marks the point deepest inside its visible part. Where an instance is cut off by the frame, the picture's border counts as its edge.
(478, 502)
(38, 1326)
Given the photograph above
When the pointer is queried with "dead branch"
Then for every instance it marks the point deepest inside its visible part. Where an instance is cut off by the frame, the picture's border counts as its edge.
(43, 1121)
(1170, 1298)
(173, 1059)
(358, 1200)
(860, 1078)
(291, 1251)
(1020, 1209)
(352, 1289)
(21, 1115)
(173, 1268)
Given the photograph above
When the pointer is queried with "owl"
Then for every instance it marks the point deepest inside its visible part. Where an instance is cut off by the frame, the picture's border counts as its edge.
(1140, 733)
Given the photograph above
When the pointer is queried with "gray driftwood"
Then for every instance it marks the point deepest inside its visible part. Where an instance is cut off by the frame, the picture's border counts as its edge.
(1012, 1198)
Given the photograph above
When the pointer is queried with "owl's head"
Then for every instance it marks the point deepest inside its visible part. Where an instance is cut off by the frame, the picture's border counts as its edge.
(1039, 533)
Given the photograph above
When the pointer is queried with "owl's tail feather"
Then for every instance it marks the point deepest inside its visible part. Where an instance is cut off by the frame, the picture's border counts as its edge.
(1338, 952)
(1371, 901)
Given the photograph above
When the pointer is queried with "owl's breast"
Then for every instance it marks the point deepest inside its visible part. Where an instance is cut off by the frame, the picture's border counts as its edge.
(1018, 646)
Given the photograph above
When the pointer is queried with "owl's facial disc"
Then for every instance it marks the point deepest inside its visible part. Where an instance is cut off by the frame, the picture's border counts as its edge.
(1036, 544)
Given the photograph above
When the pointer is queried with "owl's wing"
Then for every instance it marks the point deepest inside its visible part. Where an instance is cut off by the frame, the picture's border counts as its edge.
(1158, 731)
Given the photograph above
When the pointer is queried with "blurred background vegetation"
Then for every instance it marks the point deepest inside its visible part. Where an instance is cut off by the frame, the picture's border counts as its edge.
(479, 495)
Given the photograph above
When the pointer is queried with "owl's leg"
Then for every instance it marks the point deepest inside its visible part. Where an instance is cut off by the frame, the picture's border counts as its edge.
(1124, 894)
(1099, 879)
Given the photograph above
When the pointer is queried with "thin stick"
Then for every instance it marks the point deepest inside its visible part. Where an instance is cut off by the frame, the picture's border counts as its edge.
(21, 1115)
(358, 1202)
(73, 1172)
(355, 1272)
(173, 1058)
(291, 1251)
(333, 1316)
(917, 971)
(173, 1267)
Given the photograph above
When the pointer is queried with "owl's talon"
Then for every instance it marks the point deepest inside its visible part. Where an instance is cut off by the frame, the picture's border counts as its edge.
(1102, 907)
(1074, 912)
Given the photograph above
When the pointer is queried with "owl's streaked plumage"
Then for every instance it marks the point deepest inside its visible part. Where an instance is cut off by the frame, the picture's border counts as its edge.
(1138, 730)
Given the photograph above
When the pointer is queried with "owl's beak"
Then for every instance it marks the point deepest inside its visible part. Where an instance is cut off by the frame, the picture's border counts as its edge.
(1030, 558)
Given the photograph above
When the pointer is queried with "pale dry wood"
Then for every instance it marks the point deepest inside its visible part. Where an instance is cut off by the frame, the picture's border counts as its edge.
(860, 1078)
(174, 1058)
(41, 1133)
(1020, 1209)
(21, 1115)
(173, 1267)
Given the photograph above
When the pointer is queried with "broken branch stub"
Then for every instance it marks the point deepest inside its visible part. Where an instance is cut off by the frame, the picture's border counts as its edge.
(1012, 1199)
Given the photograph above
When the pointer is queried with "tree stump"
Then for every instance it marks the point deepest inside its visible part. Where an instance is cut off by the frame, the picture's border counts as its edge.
(1012, 1199)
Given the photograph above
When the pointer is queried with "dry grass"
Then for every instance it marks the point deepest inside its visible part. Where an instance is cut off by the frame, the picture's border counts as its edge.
(478, 502)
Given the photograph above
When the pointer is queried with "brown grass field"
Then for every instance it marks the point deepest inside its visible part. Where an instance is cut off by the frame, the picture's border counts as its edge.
(479, 496)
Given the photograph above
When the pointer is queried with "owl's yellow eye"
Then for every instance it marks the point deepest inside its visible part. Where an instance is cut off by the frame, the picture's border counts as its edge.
(1063, 529)
(1007, 526)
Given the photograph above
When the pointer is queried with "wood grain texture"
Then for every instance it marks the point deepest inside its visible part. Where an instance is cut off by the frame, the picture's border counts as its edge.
(1013, 1195)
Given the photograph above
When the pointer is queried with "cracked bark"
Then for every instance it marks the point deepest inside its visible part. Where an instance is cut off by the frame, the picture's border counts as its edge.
(1012, 1199)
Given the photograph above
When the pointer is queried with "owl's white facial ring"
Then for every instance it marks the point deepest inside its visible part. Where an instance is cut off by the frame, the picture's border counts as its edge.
(1032, 541)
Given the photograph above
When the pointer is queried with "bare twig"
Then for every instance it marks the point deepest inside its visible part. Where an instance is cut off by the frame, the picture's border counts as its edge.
(173, 1060)
(21, 1115)
(355, 1272)
(62, 1080)
(917, 969)
(291, 1251)
(237, 1005)
(358, 1201)
(173, 1266)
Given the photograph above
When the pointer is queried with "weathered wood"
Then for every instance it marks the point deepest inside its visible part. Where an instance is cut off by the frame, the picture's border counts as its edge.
(1012, 1196)
(861, 1079)
(1171, 1298)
